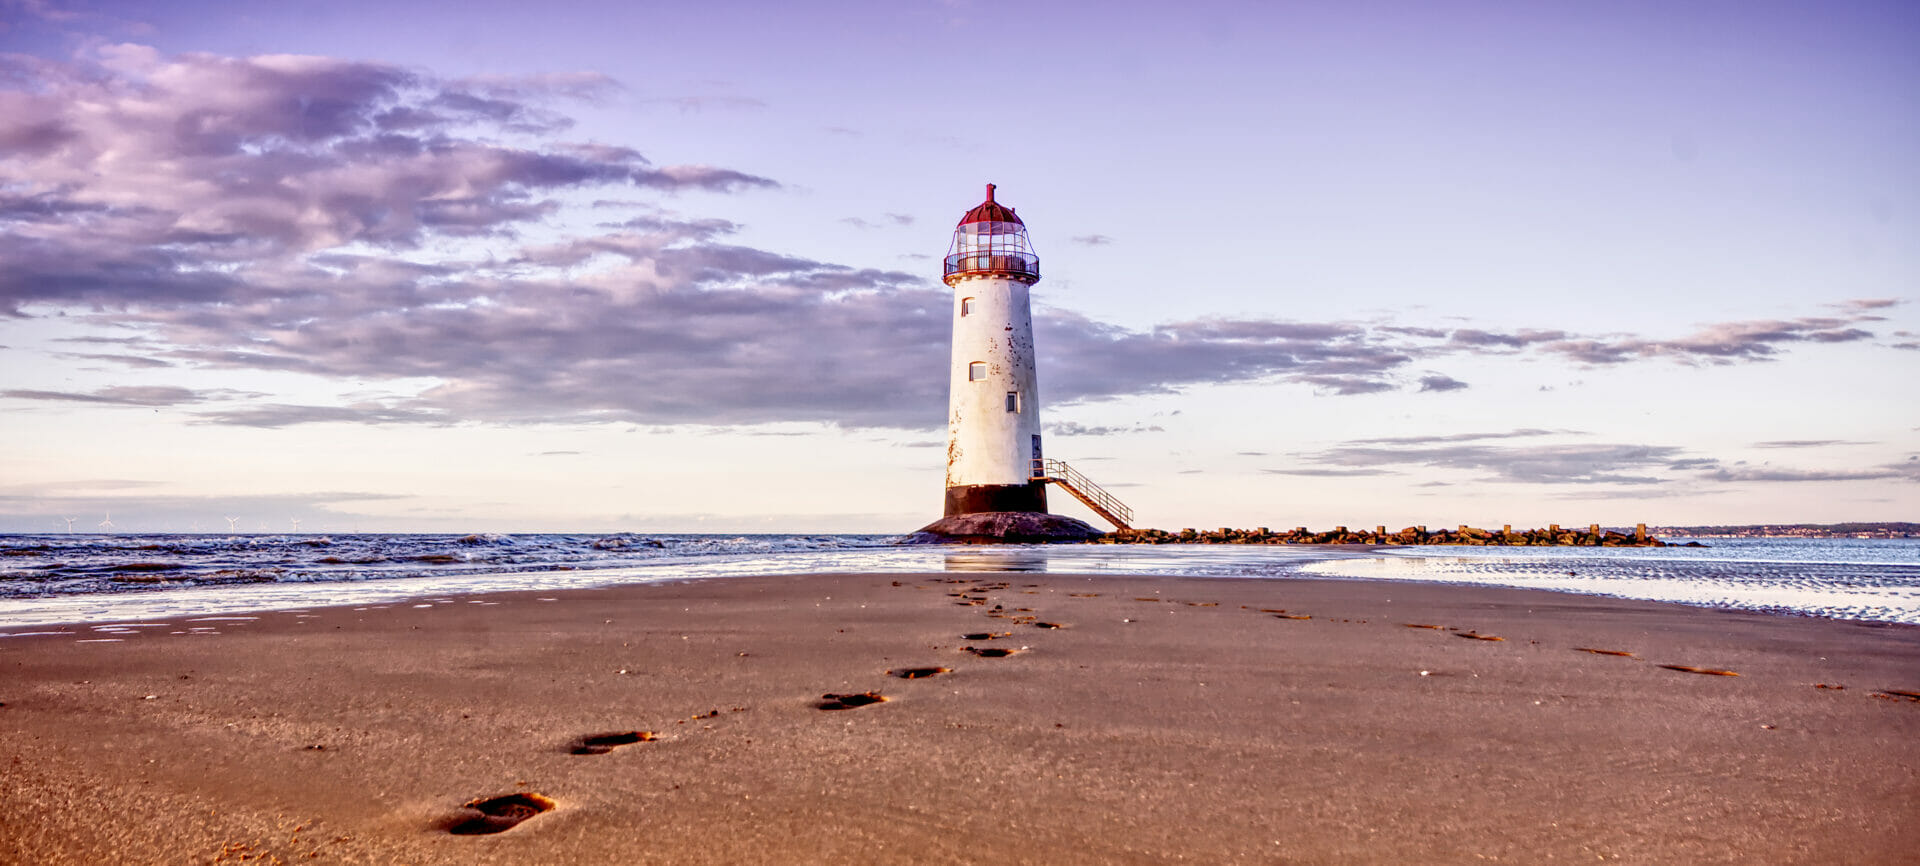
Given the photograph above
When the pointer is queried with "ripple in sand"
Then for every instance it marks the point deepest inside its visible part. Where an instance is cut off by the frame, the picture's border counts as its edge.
(1477, 636)
(1605, 652)
(1291, 616)
(1694, 670)
(832, 701)
(600, 744)
(500, 814)
(1422, 625)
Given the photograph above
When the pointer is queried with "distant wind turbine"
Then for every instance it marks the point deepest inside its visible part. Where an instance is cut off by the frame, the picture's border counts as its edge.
(107, 523)
(70, 521)
(233, 524)
(296, 523)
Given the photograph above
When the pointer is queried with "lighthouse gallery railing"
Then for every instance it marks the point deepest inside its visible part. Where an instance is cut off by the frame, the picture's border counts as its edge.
(1089, 493)
(993, 263)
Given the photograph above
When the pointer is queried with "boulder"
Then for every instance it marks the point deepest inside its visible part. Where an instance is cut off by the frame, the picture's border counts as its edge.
(1003, 527)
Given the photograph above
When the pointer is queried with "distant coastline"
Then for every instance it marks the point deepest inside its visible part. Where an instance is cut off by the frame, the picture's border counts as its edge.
(1553, 536)
(1793, 530)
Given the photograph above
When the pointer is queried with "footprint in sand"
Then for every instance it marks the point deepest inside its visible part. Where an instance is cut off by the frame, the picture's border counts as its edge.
(500, 814)
(1477, 636)
(831, 701)
(917, 673)
(990, 652)
(1690, 669)
(600, 744)
(985, 635)
(1037, 624)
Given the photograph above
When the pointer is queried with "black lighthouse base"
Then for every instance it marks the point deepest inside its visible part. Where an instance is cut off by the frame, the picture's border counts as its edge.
(975, 498)
(1004, 527)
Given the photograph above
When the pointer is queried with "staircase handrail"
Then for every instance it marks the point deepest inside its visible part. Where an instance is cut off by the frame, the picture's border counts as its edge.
(1057, 471)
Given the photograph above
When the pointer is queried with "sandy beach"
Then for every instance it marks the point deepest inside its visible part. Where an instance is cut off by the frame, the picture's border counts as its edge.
(1164, 719)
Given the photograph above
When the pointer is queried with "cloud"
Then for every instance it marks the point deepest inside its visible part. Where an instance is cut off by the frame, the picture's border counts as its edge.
(1861, 305)
(888, 219)
(1755, 473)
(270, 415)
(1074, 428)
(1090, 360)
(1529, 464)
(1092, 240)
(128, 360)
(362, 222)
(1642, 466)
(1807, 443)
(1723, 343)
(137, 177)
(127, 395)
(1490, 341)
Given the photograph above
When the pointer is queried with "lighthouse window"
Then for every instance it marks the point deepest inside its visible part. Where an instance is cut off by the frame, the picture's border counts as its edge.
(976, 371)
(966, 306)
(1013, 401)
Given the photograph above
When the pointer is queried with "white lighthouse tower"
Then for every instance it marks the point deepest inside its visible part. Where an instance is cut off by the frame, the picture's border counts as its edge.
(996, 476)
(993, 414)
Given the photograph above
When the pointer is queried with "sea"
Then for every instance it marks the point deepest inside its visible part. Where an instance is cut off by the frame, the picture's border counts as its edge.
(82, 578)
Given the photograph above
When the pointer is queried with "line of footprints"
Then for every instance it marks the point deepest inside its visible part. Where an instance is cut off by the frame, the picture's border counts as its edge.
(489, 815)
(496, 814)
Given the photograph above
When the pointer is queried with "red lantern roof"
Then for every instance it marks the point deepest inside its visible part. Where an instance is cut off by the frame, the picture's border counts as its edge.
(991, 211)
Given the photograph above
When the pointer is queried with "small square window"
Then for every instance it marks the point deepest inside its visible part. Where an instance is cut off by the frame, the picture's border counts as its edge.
(966, 306)
(1013, 401)
(976, 371)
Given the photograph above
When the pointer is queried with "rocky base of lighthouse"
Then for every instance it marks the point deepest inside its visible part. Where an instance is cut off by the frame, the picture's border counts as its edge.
(1004, 527)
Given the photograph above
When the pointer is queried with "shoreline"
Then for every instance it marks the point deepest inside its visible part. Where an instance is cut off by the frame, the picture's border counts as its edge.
(1199, 729)
(1865, 584)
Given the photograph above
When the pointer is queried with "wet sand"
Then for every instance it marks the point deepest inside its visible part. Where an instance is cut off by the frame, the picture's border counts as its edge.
(1165, 719)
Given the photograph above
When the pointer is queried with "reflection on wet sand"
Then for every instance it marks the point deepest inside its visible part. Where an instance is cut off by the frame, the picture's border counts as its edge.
(998, 560)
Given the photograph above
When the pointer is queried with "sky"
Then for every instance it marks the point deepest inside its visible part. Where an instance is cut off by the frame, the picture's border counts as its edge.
(652, 267)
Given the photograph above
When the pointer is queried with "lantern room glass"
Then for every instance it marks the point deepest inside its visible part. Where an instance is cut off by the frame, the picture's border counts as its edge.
(992, 247)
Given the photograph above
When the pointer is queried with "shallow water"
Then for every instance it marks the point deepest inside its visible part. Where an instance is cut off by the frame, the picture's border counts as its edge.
(1865, 579)
(121, 578)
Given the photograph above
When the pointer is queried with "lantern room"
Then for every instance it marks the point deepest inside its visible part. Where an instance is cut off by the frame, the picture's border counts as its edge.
(991, 241)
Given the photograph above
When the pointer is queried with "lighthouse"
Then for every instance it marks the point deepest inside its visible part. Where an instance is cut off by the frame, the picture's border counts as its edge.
(993, 405)
(997, 479)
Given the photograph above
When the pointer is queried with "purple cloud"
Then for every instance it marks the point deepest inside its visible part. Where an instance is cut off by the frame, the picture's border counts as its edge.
(295, 214)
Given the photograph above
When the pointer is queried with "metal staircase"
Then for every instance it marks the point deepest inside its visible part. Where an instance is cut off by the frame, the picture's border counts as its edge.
(1090, 494)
